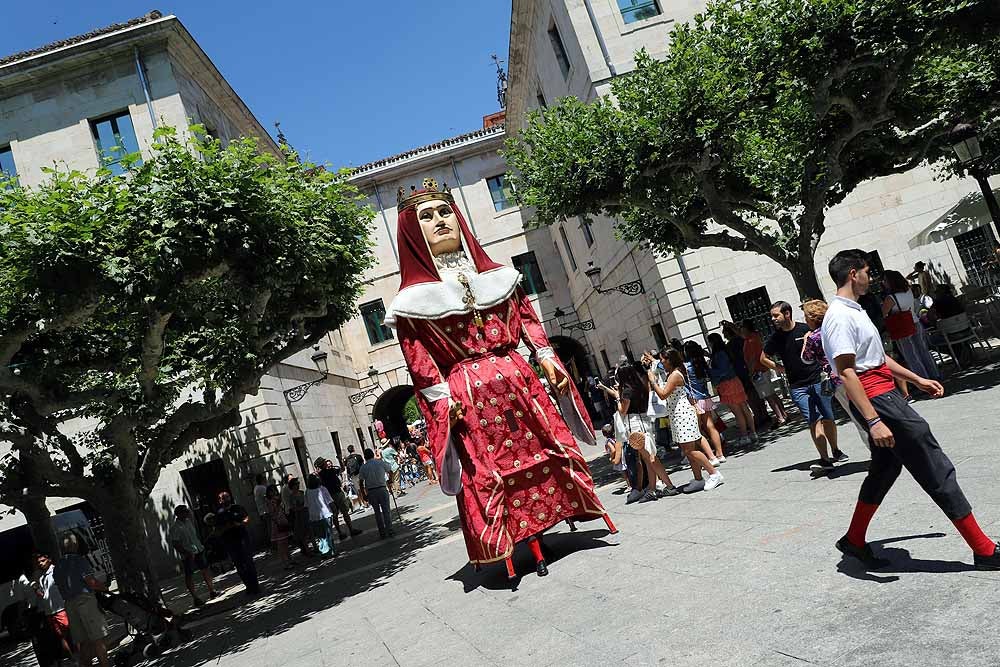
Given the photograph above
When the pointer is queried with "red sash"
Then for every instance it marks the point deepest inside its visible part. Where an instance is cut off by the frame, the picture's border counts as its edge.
(877, 381)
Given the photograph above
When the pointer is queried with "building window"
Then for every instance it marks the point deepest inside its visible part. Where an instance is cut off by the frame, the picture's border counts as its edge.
(638, 10)
(626, 350)
(975, 249)
(752, 305)
(588, 233)
(604, 358)
(559, 50)
(373, 313)
(361, 438)
(568, 247)
(527, 264)
(336, 447)
(540, 99)
(659, 336)
(8, 170)
(501, 192)
(115, 138)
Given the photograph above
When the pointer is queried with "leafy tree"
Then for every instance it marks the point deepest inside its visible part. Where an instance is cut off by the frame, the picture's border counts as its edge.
(411, 413)
(137, 312)
(763, 115)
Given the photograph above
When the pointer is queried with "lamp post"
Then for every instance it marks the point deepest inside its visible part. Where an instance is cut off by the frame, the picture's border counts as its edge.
(965, 143)
(632, 288)
(298, 392)
(585, 325)
(357, 398)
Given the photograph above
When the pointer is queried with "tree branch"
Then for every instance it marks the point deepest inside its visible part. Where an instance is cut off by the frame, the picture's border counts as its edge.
(152, 353)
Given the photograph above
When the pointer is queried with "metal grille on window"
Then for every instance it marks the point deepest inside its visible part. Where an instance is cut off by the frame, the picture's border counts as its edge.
(752, 305)
(976, 250)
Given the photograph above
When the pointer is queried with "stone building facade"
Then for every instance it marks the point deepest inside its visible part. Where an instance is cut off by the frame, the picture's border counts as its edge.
(65, 103)
(575, 48)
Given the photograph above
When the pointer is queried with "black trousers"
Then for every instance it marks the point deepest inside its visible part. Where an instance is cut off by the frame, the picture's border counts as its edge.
(242, 557)
(918, 451)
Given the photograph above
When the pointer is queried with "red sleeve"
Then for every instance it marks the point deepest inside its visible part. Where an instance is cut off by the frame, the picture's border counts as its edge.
(431, 387)
(532, 332)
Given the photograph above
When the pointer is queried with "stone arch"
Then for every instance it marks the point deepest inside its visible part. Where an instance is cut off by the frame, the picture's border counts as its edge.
(389, 408)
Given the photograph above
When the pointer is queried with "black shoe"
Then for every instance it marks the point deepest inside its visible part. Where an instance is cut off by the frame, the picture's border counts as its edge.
(669, 491)
(648, 497)
(840, 456)
(541, 568)
(822, 466)
(865, 555)
(633, 496)
(991, 562)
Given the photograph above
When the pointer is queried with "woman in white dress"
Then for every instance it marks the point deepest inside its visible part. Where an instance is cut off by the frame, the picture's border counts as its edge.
(683, 418)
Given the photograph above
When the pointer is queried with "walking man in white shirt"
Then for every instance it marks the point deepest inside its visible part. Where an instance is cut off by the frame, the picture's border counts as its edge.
(899, 437)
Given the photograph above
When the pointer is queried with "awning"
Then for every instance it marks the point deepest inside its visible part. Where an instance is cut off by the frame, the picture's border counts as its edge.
(969, 213)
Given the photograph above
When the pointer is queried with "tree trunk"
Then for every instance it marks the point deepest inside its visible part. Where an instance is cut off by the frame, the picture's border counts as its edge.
(125, 530)
(42, 534)
(804, 274)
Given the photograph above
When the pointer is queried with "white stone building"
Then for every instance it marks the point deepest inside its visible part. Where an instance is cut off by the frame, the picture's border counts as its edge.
(69, 103)
(575, 48)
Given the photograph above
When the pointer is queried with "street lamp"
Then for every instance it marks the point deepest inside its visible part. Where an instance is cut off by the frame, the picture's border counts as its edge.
(632, 288)
(965, 143)
(585, 325)
(298, 392)
(365, 393)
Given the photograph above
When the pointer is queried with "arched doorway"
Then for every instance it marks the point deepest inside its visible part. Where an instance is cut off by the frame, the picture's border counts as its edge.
(390, 407)
(573, 355)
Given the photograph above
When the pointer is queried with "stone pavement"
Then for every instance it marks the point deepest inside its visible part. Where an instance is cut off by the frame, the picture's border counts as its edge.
(745, 575)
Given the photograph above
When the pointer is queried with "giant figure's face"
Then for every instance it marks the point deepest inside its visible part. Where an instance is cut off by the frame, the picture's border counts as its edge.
(440, 226)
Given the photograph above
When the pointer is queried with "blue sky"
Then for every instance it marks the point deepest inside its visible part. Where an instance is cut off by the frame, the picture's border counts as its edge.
(350, 81)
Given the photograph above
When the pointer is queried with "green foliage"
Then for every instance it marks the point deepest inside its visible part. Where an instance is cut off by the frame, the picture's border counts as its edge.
(763, 115)
(411, 412)
(151, 303)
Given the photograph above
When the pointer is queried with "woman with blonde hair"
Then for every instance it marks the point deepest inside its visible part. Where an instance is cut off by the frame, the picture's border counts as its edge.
(812, 352)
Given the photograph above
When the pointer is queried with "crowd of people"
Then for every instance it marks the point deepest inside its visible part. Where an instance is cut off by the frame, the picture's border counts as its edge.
(673, 394)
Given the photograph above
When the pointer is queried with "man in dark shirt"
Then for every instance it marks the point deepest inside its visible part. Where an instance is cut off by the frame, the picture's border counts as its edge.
(330, 477)
(805, 381)
(231, 524)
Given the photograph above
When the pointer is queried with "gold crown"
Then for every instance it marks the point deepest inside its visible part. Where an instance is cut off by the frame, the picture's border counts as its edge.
(429, 191)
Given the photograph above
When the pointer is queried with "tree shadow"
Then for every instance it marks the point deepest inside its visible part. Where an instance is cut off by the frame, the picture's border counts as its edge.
(900, 562)
(555, 547)
(291, 598)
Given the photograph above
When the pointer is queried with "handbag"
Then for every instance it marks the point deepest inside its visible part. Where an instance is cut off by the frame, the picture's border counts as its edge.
(826, 386)
(900, 324)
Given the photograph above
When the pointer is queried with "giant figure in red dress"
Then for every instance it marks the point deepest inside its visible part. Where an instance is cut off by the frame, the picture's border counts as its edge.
(501, 446)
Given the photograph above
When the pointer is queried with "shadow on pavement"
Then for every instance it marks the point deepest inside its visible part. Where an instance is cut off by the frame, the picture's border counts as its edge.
(293, 597)
(555, 547)
(900, 562)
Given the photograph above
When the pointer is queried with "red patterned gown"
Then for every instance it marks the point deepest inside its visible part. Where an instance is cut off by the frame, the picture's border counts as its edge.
(521, 468)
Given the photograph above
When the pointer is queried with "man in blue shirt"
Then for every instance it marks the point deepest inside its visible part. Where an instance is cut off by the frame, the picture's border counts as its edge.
(76, 580)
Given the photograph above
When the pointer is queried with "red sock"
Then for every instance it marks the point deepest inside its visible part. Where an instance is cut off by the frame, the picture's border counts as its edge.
(974, 536)
(863, 513)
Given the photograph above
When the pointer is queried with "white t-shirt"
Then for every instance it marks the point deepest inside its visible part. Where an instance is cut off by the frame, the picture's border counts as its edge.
(318, 502)
(657, 408)
(847, 329)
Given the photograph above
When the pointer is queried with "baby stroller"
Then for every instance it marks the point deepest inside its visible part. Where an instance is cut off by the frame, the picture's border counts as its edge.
(153, 628)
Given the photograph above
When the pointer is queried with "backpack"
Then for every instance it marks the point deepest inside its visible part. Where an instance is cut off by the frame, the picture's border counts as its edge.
(353, 466)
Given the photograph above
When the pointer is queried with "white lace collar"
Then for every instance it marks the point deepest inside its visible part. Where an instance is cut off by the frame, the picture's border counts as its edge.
(432, 301)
